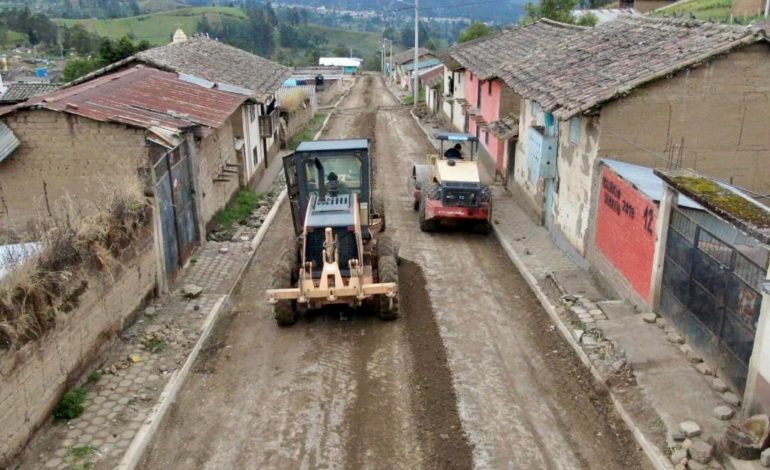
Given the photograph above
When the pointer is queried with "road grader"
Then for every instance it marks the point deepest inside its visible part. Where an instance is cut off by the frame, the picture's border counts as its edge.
(447, 190)
(339, 254)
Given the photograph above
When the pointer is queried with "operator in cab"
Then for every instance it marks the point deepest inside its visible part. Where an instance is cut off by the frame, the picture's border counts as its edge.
(455, 152)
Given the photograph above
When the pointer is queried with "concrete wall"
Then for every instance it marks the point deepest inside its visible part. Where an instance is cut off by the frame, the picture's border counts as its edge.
(622, 237)
(574, 180)
(757, 395)
(62, 154)
(213, 152)
(458, 119)
(35, 376)
(720, 109)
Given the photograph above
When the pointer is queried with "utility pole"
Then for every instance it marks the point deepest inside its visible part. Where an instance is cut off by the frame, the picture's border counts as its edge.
(767, 8)
(415, 71)
(390, 66)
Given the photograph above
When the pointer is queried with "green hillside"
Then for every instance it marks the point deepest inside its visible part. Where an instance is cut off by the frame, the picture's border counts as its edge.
(156, 28)
(711, 10)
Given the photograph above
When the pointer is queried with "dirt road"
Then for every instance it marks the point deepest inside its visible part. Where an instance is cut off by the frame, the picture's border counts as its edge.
(470, 376)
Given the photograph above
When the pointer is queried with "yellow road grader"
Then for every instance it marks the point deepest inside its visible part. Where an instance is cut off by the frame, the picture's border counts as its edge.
(340, 255)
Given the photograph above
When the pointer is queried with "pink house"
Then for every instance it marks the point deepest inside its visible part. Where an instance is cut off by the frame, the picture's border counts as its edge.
(490, 107)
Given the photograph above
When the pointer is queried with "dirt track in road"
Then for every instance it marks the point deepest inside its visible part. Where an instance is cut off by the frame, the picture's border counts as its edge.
(470, 375)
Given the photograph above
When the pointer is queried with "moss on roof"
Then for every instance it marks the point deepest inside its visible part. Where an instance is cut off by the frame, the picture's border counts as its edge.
(724, 200)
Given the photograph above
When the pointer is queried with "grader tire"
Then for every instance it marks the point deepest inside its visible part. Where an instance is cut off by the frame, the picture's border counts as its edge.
(378, 207)
(284, 276)
(388, 270)
(387, 247)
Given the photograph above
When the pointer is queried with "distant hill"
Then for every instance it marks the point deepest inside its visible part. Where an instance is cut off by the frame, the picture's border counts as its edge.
(157, 28)
(499, 11)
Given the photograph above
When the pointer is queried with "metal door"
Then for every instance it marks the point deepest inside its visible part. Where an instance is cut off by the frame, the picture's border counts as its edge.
(178, 215)
(711, 292)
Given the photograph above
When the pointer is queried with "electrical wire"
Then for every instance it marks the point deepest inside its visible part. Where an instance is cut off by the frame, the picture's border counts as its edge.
(669, 161)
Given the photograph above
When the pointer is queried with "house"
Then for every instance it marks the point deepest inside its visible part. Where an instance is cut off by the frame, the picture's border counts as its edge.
(18, 92)
(649, 91)
(326, 80)
(408, 71)
(432, 80)
(402, 59)
(484, 105)
(604, 15)
(213, 64)
(350, 65)
(136, 127)
(711, 280)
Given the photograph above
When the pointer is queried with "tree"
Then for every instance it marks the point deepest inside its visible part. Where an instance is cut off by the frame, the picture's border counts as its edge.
(589, 19)
(340, 51)
(557, 10)
(312, 56)
(78, 67)
(474, 31)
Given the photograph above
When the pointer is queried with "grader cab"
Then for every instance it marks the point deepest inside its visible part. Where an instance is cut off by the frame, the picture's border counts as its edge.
(340, 255)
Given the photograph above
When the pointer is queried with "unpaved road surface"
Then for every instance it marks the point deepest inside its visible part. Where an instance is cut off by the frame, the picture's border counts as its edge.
(470, 376)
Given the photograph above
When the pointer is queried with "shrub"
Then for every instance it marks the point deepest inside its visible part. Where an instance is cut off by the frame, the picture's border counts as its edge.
(292, 100)
(71, 404)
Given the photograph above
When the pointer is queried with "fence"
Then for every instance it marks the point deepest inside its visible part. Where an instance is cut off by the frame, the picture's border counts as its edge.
(711, 292)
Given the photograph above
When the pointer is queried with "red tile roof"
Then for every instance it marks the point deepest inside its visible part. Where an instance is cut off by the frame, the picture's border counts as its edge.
(142, 97)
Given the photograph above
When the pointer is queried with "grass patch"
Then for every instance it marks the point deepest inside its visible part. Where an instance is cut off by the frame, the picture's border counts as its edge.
(71, 404)
(239, 209)
(308, 132)
(157, 345)
(420, 97)
(78, 458)
(723, 200)
(94, 376)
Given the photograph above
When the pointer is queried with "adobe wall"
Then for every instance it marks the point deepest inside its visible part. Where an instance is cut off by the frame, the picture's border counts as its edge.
(213, 152)
(63, 154)
(720, 109)
(34, 377)
(297, 120)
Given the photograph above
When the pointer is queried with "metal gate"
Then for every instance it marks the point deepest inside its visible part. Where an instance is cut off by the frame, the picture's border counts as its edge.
(178, 218)
(711, 293)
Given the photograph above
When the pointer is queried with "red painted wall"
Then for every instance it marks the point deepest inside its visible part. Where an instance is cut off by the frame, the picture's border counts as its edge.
(490, 110)
(625, 230)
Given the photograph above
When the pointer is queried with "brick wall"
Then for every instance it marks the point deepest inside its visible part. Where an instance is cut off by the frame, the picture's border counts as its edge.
(720, 109)
(62, 154)
(213, 152)
(34, 377)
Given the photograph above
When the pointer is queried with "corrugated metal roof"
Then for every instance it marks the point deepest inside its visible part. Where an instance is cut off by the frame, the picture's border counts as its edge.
(143, 97)
(8, 141)
(331, 145)
(645, 180)
(422, 64)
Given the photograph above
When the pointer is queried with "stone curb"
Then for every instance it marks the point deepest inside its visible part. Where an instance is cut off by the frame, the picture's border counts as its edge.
(654, 455)
(146, 433)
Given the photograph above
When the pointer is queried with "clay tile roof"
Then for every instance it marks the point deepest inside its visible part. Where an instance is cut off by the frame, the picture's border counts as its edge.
(504, 128)
(408, 55)
(21, 91)
(142, 97)
(484, 58)
(611, 59)
(219, 63)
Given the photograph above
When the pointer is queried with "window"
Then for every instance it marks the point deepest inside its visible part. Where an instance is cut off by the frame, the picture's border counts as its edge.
(574, 130)
(490, 88)
(255, 155)
(347, 173)
(486, 137)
